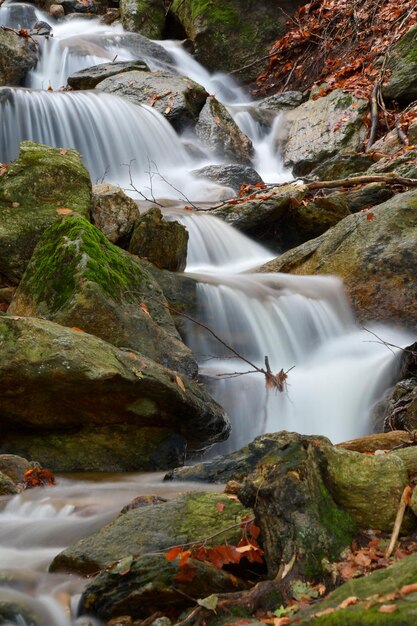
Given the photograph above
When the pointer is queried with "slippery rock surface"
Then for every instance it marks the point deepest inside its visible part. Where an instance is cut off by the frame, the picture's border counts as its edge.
(34, 191)
(93, 406)
(18, 55)
(113, 212)
(76, 277)
(322, 128)
(91, 76)
(178, 98)
(188, 517)
(375, 253)
(219, 133)
(164, 243)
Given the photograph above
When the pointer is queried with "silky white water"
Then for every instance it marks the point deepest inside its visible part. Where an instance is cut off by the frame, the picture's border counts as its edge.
(336, 370)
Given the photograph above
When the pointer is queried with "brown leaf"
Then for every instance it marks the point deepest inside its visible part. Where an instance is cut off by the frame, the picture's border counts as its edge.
(406, 589)
(388, 608)
(220, 506)
(327, 611)
(186, 574)
(64, 211)
(180, 383)
(350, 601)
(77, 330)
(362, 559)
(144, 308)
(63, 151)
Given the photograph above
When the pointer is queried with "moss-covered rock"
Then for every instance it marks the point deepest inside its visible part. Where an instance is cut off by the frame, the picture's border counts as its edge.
(76, 277)
(342, 166)
(178, 98)
(219, 133)
(93, 406)
(319, 129)
(7, 486)
(39, 185)
(187, 518)
(402, 62)
(114, 213)
(18, 55)
(146, 17)
(230, 34)
(164, 243)
(295, 510)
(374, 252)
(150, 585)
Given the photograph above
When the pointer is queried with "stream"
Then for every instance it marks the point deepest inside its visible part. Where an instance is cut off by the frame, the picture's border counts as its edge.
(337, 371)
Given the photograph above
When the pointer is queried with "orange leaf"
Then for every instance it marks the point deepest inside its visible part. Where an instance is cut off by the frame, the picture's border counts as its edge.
(254, 530)
(77, 330)
(64, 211)
(144, 308)
(407, 493)
(172, 554)
(325, 612)
(406, 589)
(388, 608)
(184, 556)
(180, 383)
(186, 574)
(220, 506)
(348, 602)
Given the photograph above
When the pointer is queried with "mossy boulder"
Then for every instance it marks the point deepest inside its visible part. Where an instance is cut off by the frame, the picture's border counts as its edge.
(188, 517)
(18, 55)
(178, 98)
(164, 243)
(295, 510)
(230, 34)
(7, 486)
(342, 166)
(89, 77)
(319, 129)
(146, 17)
(402, 62)
(93, 406)
(36, 188)
(375, 253)
(151, 584)
(219, 133)
(76, 277)
(114, 213)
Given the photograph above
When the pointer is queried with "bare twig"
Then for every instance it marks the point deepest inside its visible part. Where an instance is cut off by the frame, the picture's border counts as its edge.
(374, 115)
(387, 344)
(183, 196)
(133, 186)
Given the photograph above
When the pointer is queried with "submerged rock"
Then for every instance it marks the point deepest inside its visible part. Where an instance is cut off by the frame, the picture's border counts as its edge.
(374, 252)
(36, 189)
(18, 55)
(93, 406)
(322, 128)
(178, 98)
(76, 277)
(164, 243)
(188, 517)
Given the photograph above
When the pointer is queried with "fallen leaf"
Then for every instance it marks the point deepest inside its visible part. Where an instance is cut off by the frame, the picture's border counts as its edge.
(64, 211)
(173, 553)
(351, 600)
(77, 330)
(144, 308)
(220, 506)
(406, 589)
(180, 384)
(388, 608)
(63, 151)
(123, 566)
(325, 612)
(209, 603)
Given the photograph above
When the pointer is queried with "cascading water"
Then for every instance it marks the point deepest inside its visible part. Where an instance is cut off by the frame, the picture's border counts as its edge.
(301, 322)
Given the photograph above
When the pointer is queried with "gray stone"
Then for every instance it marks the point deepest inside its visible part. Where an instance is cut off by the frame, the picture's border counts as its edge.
(231, 175)
(91, 76)
(402, 62)
(18, 55)
(113, 212)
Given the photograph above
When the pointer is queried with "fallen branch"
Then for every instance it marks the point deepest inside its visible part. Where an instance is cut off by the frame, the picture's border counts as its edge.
(405, 501)
(389, 179)
(374, 115)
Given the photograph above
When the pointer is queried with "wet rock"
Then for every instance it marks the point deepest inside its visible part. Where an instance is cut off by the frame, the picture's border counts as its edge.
(14, 466)
(281, 101)
(131, 413)
(230, 34)
(40, 184)
(375, 254)
(189, 517)
(230, 175)
(18, 55)
(19, 15)
(402, 62)
(342, 166)
(56, 10)
(7, 486)
(151, 584)
(146, 17)
(219, 133)
(178, 98)
(113, 212)
(295, 510)
(403, 165)
(91, 76)
(77, 278)
(163, 243)
(322, 128)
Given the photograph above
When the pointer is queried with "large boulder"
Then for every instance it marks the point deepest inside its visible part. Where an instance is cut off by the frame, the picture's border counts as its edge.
(41, 185)
(402, 62)
(163, 243)
(89, 77)
(146, 17)
(93, 406)
(178, 98)
(113, 212)
(375, 253)
(187, 518)
(76, 277)
(219, 133)
(229, 175)
(230, 34)
(322, 128)
(151, 584)
(18, 55)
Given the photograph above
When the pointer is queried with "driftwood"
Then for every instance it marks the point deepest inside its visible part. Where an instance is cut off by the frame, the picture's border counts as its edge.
(389, 179)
